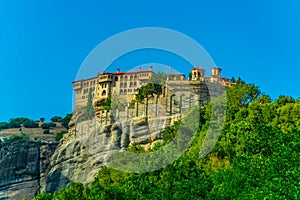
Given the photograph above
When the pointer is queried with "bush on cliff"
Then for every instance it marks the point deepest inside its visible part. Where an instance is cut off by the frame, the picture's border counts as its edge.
(14, 138)
(66, 120)
(59, 135)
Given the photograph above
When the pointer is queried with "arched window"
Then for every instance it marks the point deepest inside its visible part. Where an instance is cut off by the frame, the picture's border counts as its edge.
(103, 93)
(134, 84)
(125, 91)
(121, 91)
(121, 85)
(116, 78)
(125, 85)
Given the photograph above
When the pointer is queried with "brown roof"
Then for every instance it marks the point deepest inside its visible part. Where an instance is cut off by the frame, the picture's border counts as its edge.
(198, 68)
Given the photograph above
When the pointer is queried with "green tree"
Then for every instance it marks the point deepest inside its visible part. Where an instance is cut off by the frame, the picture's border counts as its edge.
(89, 109)
(4, 125)
(56, 119)
(148, 90)
(48, 125)
(30, 124)
(60, 135)
(12, 139)
(190, 76)
(66, 120)
(107, 103)
(17, 122)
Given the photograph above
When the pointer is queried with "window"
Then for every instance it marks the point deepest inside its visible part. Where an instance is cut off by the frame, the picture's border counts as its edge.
(103, 93)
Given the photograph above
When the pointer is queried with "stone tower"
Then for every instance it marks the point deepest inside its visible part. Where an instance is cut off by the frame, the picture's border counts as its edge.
(215, 75)
(198, 73)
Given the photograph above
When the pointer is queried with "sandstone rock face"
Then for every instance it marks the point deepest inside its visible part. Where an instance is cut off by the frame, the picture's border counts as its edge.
(22, 165)
(91, 144)
(19, 172)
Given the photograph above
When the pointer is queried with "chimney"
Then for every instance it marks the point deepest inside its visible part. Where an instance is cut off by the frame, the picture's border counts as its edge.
(118, 70)
(151, 68)
(140, 69)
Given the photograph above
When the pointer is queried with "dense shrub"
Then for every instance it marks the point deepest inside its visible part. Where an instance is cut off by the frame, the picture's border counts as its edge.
(59, 135)
(48, 125)
(4, 125)
(30, 124)
(56, 119)
(14, 138)
(17, 122)
(66, 120)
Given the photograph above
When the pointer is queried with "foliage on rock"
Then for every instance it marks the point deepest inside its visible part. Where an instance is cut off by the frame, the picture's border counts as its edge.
(256, 157)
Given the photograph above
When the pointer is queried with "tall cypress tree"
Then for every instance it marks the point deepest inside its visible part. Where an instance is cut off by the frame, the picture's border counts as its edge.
(89, 109)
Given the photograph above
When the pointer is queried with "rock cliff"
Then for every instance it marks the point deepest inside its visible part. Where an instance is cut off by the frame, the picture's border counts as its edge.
(21, 167)
(91, 144)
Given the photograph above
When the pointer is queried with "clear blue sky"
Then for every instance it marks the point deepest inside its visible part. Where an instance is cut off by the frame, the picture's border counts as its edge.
(43, 43)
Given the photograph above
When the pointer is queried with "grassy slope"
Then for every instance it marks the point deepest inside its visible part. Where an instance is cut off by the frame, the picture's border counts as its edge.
(33, 133)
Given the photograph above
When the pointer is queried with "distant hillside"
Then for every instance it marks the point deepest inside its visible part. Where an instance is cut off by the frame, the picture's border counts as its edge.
(34, 133)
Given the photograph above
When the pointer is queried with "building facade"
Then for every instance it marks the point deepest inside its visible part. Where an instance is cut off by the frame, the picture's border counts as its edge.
(125, 84)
